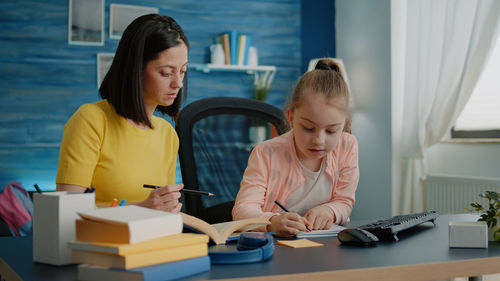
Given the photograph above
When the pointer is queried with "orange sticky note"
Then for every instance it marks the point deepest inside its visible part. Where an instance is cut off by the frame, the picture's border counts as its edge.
(299, 243)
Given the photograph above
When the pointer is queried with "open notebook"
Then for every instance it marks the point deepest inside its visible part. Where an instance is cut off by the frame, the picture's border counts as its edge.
(333, 231)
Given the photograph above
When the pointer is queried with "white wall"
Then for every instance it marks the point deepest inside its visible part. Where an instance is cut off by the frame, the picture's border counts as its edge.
(363, 42)
(466, 159)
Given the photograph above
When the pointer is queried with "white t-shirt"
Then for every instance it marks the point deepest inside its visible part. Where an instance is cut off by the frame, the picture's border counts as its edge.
(316, 190)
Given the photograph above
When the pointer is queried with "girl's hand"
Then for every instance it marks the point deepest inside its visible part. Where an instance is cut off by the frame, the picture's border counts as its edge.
(165, 198)
(288, 224)
(321, 217)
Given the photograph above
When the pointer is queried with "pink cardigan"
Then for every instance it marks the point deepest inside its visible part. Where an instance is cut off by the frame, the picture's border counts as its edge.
(273, 173)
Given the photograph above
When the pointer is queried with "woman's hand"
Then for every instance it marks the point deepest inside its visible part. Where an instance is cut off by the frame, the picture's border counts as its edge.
(288, 224)
(321, 217)
(165, 198)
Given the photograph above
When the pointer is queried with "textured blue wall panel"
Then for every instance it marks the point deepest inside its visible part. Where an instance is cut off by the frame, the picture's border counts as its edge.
(43, 79)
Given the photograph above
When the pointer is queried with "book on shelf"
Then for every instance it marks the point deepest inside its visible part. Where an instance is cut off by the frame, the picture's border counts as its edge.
(243, 46)
(220, 232)
(333, 231)
(121, 249)
(226, 48)
(140, 259)
(233, 46)
(247, 48)
(126, 224)
(242, 39)
(163, 271)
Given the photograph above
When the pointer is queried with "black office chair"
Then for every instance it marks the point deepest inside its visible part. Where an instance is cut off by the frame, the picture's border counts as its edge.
(214, 150)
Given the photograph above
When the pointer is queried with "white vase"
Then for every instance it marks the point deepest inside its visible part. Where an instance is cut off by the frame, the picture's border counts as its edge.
(216, 54)
(257, 134)
(494, 233)
(253, 57)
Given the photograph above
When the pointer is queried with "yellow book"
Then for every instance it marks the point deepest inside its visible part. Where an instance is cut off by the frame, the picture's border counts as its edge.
(140, 259)
(242, 41)
(171, 241)
(220, 232)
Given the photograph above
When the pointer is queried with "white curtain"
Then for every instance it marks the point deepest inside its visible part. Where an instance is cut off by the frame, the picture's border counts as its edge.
(439, 48)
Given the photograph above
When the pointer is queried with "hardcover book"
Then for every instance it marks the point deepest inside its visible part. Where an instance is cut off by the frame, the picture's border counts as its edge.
(233, 46)
(163, 271)
(141, 259)
(122, 249)
(126, 224)
(226, 48)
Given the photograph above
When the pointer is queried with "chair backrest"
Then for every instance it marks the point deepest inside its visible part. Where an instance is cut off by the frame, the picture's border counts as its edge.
(215, 144)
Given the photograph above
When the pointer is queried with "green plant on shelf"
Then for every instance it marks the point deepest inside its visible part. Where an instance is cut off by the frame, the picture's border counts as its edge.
(262, 84)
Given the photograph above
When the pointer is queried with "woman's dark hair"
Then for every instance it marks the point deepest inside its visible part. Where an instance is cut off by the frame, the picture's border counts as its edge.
(141, 42)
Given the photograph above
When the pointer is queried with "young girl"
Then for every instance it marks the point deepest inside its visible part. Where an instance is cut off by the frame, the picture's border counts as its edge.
(311, 170)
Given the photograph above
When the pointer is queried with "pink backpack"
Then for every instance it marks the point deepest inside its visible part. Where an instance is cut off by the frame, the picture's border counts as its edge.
(16, 209)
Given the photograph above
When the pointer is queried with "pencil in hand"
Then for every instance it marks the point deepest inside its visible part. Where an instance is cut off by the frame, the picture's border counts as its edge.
(184, 190)
(286, 210)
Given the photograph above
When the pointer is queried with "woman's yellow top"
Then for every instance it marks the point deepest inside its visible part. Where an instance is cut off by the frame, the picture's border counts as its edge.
(101, 149)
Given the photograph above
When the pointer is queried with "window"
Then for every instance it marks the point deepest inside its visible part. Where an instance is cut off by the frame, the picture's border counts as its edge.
(481, 115)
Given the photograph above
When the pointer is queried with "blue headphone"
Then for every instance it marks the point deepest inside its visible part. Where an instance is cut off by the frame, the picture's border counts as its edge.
(251, 247)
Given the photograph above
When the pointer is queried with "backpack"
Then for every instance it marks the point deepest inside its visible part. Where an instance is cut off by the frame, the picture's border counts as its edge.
(16, 209)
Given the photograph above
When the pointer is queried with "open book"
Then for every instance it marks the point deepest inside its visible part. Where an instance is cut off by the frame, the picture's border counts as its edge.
(220, 232)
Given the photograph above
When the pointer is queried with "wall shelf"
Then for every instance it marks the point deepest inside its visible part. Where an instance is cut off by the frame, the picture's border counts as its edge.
(232, 68)
(259, 72)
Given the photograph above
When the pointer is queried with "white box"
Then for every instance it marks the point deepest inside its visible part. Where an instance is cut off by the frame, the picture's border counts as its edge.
(54, 224)
(468, 234)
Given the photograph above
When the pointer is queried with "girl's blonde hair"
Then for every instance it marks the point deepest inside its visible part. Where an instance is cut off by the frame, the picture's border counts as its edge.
(326, 78)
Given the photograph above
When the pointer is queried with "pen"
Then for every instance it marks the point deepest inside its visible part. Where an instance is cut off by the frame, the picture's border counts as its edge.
(285, 209)
(37, 188)
(184, 190)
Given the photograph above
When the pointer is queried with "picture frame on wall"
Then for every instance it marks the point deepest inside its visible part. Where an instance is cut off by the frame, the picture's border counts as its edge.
(86, 22)
(122, 15)
(104, 61)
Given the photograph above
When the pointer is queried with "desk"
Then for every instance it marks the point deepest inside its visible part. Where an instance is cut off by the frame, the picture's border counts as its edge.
(420, 254)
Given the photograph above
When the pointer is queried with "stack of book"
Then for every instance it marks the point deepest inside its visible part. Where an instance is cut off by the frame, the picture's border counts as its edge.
(135, 243)
(235, 46)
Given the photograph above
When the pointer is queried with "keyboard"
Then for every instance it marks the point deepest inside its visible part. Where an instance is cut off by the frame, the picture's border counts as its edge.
(387, 229)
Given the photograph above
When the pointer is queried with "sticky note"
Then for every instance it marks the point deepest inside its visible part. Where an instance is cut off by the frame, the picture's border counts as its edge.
(299, 243)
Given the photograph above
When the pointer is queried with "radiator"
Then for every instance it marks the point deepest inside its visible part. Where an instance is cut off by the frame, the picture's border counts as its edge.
(452, 194)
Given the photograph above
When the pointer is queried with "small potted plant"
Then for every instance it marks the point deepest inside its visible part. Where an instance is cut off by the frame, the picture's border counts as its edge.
(489, 215)
(258, 130)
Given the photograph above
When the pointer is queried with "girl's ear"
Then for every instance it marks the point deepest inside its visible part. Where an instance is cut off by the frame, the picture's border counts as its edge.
(289, 115)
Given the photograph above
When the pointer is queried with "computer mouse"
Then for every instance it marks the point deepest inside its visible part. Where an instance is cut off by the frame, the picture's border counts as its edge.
(357, 237)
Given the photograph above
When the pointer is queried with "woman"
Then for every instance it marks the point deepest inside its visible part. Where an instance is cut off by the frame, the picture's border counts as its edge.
(116, 145)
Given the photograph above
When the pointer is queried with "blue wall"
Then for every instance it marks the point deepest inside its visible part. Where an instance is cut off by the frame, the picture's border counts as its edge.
(43, 80)
(318, 30)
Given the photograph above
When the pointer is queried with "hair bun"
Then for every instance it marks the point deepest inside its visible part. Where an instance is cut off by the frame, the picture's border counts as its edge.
(327, 65)
(322, 65)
